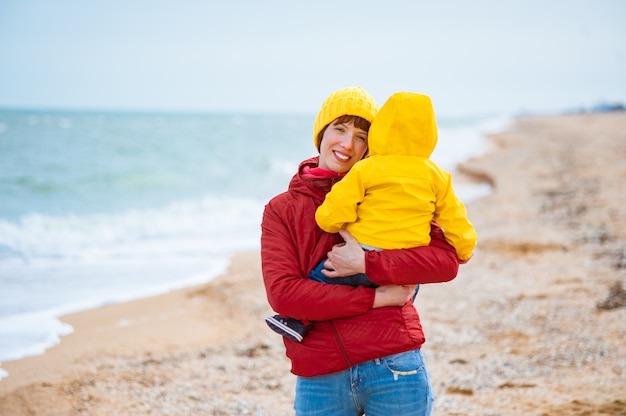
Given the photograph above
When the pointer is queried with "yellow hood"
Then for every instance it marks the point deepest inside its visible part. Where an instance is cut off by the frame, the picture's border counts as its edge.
(405, 125)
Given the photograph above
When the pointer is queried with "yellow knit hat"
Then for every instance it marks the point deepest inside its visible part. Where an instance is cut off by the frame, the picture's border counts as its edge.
(352, 101)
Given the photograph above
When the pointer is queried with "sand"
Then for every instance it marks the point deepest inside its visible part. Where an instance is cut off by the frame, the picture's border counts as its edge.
(534, 324)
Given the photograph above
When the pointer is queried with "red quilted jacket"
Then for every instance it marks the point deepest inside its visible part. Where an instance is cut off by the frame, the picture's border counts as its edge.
(346, 330)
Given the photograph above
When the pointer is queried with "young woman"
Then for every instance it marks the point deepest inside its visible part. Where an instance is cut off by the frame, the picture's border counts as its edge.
(362, 354)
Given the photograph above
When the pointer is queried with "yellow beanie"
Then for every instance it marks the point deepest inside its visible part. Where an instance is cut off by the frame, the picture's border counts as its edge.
(352, 101)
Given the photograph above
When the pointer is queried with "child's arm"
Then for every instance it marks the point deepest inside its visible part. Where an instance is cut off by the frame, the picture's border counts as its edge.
(340, 205)
(451, 215)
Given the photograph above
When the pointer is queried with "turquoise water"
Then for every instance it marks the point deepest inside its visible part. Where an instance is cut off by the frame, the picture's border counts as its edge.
(61, 162)
(99, 208)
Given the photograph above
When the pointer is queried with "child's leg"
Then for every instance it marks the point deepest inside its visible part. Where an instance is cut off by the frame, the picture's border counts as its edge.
(290, 328)
(359, 279)
(317, 275)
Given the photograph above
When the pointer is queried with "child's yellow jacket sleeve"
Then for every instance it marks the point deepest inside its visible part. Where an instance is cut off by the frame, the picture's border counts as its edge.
(340, 205)
(451, 215)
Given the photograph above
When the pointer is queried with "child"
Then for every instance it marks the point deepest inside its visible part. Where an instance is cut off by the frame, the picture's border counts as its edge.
(388, 200)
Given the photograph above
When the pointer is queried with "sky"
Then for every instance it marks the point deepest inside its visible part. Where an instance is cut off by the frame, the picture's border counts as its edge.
(473, 58)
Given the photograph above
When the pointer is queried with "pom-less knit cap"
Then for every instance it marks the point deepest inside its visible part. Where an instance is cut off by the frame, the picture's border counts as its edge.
(352, 101)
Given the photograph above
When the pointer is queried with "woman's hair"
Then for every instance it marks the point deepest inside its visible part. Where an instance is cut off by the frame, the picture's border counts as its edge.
(359, 123)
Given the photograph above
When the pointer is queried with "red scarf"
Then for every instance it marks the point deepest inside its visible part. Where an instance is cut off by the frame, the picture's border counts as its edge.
(319, 173)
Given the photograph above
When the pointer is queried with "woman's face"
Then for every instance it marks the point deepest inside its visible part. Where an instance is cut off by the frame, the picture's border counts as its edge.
(342, 146)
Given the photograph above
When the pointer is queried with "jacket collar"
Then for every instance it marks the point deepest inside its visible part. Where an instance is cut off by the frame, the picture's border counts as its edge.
(315, 186)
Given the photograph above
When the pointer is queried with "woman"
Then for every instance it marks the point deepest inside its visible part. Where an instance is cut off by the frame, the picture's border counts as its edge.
(362, 354)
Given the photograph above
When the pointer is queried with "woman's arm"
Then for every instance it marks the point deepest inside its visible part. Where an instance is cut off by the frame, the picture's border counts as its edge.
(285, 259)
(393, 295)
(434, 263)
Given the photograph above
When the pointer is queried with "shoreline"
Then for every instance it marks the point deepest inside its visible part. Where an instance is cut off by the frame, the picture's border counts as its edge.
(518, 331)
(35, 329)
(469, 186)
(58, 313)
(128, 326)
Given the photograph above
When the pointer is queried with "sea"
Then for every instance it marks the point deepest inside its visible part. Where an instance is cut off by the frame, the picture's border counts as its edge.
(101, 207)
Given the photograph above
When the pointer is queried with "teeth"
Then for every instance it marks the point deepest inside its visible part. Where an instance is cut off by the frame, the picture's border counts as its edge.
(342, 156)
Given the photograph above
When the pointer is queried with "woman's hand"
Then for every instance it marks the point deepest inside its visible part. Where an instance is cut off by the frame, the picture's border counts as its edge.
(348, 258)
(393, 295)
(345, 259)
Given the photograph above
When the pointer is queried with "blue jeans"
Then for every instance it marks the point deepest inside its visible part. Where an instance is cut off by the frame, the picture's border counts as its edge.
(394, 385)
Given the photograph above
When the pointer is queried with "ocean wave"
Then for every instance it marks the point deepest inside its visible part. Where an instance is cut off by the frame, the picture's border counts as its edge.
(182, 229)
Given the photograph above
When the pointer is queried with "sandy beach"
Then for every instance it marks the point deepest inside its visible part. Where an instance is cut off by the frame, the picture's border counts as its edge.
(534, 324)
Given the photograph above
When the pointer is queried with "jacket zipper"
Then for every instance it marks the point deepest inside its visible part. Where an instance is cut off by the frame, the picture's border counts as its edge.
(340, 344)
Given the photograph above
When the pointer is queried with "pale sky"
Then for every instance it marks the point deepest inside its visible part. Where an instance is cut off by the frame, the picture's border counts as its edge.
(472, 58)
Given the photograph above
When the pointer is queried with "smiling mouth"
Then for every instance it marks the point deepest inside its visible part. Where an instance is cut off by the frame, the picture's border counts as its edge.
(341, 156)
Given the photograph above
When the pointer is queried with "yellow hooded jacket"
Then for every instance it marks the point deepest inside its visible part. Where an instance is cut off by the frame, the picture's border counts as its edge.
(388, 200)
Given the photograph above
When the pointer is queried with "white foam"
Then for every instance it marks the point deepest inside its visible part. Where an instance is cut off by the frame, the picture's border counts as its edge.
(182, 229)
(53, 266)
(37, 331)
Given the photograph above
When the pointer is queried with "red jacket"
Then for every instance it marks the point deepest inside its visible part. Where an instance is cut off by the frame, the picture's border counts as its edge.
(346, 331)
